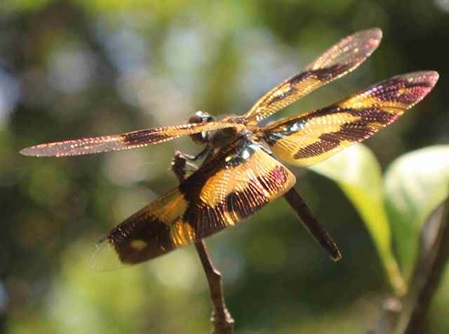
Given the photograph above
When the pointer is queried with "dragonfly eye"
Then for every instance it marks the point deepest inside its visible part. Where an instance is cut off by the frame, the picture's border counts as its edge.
(201, 117)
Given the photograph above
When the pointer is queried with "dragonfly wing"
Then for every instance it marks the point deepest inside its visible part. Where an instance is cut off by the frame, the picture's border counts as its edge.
(339, 60)
(235, 183)
(125, 141)
(310, 138)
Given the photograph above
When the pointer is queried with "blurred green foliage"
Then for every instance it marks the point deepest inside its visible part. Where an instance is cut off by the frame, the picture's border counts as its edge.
(358, 174)
(415, 185)
(78, 68)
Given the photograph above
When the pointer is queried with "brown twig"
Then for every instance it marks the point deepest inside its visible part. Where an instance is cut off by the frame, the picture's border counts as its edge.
(434, 254)
(221, 319)
(316, 230)
(409, 314)
(389, 316)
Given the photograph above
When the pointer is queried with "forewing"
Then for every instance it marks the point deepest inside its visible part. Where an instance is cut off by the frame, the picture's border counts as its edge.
(313, 137)
(125, 141)
(234, 184)
(339, 60)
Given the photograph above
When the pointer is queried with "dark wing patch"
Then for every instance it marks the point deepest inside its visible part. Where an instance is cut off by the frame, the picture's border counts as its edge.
(313, 137)
(337, 61)
(125, 141)
(235, 183)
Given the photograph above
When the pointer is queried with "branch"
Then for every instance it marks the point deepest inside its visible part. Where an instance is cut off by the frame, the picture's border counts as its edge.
(389, 316)
(434, 254)
(221, 318)
(408, 315)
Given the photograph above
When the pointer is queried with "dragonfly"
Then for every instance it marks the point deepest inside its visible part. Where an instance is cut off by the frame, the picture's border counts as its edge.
(242, 169)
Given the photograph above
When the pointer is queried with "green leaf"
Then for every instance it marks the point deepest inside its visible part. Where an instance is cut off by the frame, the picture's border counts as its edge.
(358, 174)
(414, 186)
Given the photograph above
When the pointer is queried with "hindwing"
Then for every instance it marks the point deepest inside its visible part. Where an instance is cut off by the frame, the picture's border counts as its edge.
(235, 183)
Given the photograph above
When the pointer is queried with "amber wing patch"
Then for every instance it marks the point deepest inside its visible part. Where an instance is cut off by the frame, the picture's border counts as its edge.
(234, 184)
(313, 137)
(337, 61)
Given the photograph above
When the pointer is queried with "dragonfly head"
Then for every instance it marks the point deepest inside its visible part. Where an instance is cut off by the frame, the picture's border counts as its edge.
(201, 117)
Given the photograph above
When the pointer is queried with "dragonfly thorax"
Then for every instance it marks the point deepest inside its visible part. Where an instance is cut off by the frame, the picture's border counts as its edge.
(223, 137)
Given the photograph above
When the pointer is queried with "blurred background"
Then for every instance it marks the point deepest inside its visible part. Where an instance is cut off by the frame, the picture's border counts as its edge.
(92, 67)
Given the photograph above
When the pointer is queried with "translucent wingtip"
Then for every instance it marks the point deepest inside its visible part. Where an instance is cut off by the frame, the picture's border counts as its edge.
(43, 150)
(352, 51)
(375, 32)
(429, 76)
(372, 36)
(105, 258)
(29, 151)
